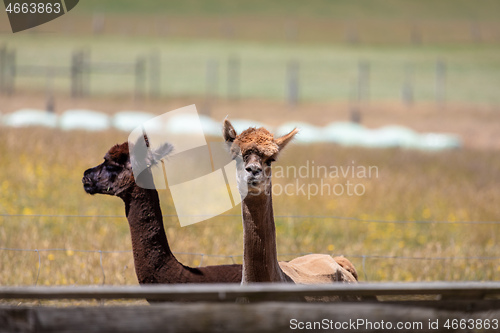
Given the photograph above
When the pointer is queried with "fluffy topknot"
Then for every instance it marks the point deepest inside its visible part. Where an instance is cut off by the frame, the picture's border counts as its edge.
(259, 140)
(119, 153)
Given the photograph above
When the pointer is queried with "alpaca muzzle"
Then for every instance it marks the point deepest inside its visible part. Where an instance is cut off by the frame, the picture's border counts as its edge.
(88, 184)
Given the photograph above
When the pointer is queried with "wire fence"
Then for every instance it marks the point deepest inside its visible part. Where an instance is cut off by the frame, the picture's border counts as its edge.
(321, 217)
(233, 257)
(227, 76)
(363, 257)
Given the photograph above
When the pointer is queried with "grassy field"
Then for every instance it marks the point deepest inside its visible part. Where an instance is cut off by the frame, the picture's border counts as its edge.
(326, 72)
(400, 40)
(42, 175)
(407, 224)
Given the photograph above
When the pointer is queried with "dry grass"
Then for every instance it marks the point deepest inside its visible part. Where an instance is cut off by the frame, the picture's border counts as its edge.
(42, 172)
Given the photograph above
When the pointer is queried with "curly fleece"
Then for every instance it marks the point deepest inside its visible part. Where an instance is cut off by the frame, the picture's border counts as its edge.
(258, 140)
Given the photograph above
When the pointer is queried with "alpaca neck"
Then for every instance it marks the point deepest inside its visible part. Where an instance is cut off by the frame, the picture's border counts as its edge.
(260, 259)
(149, 242)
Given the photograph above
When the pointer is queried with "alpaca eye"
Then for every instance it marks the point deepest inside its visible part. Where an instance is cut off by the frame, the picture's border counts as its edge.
(269, 161)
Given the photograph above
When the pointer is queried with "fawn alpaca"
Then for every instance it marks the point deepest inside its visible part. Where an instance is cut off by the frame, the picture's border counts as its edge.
(258, 149)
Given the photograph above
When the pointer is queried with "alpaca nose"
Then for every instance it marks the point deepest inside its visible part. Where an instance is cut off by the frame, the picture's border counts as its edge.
(86, 180)
(254, 169)
(87, 176)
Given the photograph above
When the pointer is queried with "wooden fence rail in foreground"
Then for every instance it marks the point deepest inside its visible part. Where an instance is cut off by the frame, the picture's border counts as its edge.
(268, 308)
(255, 292)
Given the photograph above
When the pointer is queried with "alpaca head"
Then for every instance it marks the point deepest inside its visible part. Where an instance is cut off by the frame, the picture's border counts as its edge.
(257, 148)
(115, 176)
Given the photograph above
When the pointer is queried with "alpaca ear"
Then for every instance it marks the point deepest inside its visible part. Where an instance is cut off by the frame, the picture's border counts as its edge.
(142, 156)
(285, 139)
(155, 155)
(138, 155)
(228, 132)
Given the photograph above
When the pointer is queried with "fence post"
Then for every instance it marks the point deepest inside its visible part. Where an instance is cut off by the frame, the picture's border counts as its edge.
(73, 73)
(3, 52)
(360, 91)
(49, 93)
(293, 83)
(407, 93)
(86, 72)
(155, 74)
(11, 71)
(76, 74)
(211, 84)
(212, 71)
(354, 107)
(233, 77)
(140, 77)
(440, 82)
(354, 114)
(363, 81)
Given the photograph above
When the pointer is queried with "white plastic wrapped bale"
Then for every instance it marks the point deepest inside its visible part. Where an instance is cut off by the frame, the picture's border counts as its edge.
(210, 126)
(351, 134)
(391, 136)
(183, 125)
(128, 120)
(84, 120)
(30, 117)
(439, 141)
(345, 133)
(308, 133)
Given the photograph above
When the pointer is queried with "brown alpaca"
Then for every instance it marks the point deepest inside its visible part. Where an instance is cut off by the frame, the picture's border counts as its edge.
(258, 149)
(153, 260)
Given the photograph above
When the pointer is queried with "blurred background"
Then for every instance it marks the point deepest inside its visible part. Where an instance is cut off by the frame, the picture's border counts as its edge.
(408, 86)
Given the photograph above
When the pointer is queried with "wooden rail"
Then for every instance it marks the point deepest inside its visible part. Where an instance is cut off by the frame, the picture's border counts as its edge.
(260, 308)
(256, 292)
